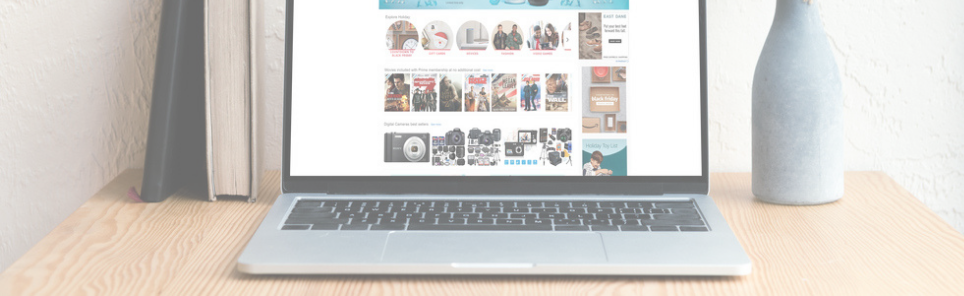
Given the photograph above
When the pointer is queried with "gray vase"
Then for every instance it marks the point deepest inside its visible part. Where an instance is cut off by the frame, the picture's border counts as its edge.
(798, 130)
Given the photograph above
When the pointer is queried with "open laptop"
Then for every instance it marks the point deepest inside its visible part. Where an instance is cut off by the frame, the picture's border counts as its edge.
(495, 137)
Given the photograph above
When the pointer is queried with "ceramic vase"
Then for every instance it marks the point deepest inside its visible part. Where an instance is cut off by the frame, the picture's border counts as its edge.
(798, 129)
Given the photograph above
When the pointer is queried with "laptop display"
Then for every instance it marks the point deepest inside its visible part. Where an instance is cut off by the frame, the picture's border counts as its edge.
(495, 88)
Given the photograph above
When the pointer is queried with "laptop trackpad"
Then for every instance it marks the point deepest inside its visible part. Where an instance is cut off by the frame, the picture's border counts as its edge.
(494, 247)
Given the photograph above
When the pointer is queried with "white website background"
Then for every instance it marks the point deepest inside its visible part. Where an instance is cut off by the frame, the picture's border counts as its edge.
(341, 62)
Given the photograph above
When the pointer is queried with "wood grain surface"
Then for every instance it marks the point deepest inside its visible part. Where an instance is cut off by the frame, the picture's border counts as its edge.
(877, 240)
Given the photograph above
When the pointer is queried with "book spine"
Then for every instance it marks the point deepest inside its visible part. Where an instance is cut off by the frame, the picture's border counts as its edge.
(207, 106)
(256, 27)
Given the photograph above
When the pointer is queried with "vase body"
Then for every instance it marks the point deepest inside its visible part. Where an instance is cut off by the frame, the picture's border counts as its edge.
(798, 129)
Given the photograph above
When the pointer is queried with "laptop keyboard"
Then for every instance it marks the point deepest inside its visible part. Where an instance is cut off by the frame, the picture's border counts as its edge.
(380, 215)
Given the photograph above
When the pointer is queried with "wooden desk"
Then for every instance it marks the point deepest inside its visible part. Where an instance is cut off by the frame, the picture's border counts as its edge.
(877, 240)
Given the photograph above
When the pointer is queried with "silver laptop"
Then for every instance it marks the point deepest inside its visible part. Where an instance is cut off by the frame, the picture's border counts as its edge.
(495, 137)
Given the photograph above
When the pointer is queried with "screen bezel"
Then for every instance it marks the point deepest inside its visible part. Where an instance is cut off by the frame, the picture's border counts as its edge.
(493, 185)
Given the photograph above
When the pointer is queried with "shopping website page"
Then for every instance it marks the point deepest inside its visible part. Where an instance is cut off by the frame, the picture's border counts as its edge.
(496, 88)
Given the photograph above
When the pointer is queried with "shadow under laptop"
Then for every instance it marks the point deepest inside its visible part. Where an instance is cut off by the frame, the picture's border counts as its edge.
(538, 280)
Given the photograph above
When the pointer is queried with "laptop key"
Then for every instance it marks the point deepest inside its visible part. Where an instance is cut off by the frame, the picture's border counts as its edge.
(495, 215)
(460, 209)
(388, 226)
(509, 221)
(663, 228)
(604, 228)
(538, 221)
(351, 215)
(381, 215)
(574, 210)
(438, 215)
(693, 228)
(523, 216)
(675, 217)
(314, 221)
(672, 222)
(572, 228)
(597, 222)
(580, 216)
(635, 216)
(481, 221)
(478, 227)
(467, 215)
(642, 205)
(488, 210)
(312, 215)
(295, 227)
(355, 227)
(324, 226)
(308, 204)
(566, 222)
(625, 222)
(531, 204)
(452, 221)
(633, 228)
(312, 210)
(409, 215)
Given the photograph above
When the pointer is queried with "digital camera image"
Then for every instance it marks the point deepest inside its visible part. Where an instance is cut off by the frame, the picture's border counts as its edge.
(406, 147)
(455, 137)
(483, 147)
(557, 148)
(515, 149)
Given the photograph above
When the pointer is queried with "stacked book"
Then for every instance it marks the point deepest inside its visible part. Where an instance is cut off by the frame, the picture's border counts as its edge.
(204, 113)
(231, 32)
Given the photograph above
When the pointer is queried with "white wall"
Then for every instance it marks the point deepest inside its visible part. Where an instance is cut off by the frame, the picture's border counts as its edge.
(75, 83)
(902, 65)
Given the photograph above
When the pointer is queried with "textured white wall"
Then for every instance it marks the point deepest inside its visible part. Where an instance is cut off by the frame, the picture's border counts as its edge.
(902, 65)
(75, 83)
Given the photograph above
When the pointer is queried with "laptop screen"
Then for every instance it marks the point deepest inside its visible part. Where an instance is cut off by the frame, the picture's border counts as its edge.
(496, 88)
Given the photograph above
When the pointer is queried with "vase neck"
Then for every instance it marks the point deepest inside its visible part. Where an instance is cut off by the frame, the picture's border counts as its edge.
(797, 11)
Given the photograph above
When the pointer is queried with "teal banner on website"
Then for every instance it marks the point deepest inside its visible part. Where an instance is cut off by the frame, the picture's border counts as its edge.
(506, 4)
